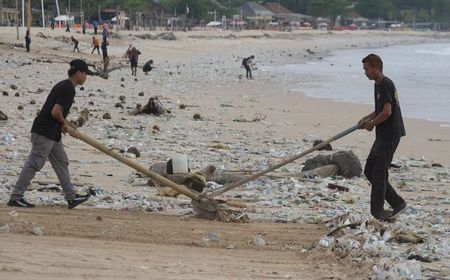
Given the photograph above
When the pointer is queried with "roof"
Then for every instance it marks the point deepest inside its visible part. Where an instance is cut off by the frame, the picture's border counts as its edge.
(276, 8)
(252, 9)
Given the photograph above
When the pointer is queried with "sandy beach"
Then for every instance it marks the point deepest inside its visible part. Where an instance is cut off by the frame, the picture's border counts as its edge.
(202, 70)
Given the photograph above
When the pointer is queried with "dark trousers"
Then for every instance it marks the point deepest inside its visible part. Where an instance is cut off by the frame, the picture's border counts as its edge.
(98, 50)
(76, 47)
(377, 172)
(249, 71)
(27, 46)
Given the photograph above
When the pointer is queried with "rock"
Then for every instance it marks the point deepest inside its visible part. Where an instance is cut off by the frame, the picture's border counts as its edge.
(197, 116)
(259, 241)
(32, 101)
(156, 127)
(40, 90)
(325, 148)
(5, 229)
(37, 230)
(99, 90)
(118, 105)
(122, 79)
(81, 88)
(5, 93)
(20, 107)
(13, 87)
(106, 116)
(348, 162)
(182, 106)
(3, 116)
(99, 218)
(141, 93)
(134, 150)
(317, 161)
(122, 98)
(91, 103)
(17, 94)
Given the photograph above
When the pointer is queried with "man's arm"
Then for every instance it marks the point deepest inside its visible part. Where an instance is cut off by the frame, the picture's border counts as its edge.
(57, 114)
(380, 118)
(367, 118)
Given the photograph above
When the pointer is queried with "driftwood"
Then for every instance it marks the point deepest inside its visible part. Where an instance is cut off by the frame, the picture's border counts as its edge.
(153, 107)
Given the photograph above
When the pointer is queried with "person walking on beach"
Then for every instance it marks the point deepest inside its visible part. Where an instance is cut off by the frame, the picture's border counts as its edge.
(96, 44)
(27, 40)
(46, 139)
(105, 50)
(52, 22)
(95, 25)
(105, 32)
(83, 28)
(67, 27)
(389, 128)
(75, 42)
(247, 63)
(133, 56)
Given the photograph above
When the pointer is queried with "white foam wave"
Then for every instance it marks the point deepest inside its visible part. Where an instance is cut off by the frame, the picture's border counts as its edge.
(442, 52)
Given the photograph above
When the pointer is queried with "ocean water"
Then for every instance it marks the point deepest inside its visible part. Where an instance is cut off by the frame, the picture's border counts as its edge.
(421, 74)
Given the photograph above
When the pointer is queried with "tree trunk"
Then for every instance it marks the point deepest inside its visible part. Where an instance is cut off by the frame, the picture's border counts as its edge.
(28, 14)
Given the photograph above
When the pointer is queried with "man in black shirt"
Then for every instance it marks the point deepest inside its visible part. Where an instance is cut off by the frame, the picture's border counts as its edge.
(105, 50)
(247, 63)
(46, 138)
(387, 118)
(148, 66)
(27, 40)
(75, 42)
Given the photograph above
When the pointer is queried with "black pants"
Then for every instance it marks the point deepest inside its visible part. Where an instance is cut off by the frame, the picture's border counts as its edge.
(249, 71)
(98, 50)
(76, 47)
(27, 46)
(377, 172)
(105, 55)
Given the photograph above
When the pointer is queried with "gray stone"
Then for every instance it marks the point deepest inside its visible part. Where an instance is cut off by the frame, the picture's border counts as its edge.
(348, 162)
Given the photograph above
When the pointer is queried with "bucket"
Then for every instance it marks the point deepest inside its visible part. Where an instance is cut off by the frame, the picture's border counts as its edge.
(179, 164)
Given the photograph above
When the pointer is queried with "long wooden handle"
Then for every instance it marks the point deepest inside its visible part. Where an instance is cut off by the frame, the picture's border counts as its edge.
(283, 163)
(133, 164)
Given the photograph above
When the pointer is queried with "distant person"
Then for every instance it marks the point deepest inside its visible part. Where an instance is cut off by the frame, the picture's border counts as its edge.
(95, 25)
(133, 56)
(105, 32)
(75, 43)
(27, 40)
(95, 44)
(105, 50)
(52, 22)
(83, 28)
(148, 66)
(247, 63)
(67, 27)
(46, 139)
(387, 118)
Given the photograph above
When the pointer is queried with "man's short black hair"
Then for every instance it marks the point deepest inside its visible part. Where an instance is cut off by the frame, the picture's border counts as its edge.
(79, 65)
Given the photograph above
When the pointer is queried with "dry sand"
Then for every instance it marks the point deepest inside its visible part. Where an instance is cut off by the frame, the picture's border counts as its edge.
(201, 70)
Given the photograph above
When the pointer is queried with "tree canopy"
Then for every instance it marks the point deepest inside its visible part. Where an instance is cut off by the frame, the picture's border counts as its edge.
(404, 10)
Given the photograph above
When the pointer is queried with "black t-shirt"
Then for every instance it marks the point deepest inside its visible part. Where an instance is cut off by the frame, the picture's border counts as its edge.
(44, 124)
(393, 127)
(247, 61)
